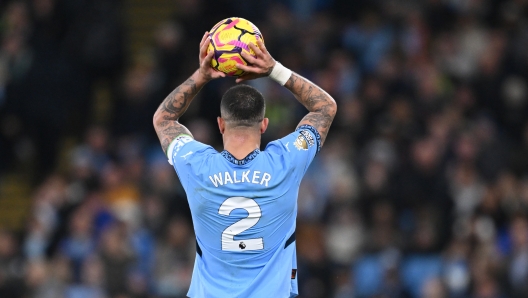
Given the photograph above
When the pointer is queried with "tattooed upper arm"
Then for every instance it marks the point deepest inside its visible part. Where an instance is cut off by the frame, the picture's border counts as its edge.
(321, 106)
(175, 104)
(168, 130)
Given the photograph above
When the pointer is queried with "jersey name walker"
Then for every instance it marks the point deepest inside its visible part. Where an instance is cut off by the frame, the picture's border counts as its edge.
(244, 214)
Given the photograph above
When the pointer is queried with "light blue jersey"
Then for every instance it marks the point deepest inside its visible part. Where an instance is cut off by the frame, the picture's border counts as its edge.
(244, 214)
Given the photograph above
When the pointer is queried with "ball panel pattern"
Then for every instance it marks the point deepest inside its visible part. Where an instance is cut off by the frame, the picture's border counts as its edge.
(229, 38)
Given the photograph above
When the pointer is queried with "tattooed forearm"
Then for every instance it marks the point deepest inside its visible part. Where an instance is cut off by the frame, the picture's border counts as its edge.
(320, 104)
(175, 104)
(178, 100)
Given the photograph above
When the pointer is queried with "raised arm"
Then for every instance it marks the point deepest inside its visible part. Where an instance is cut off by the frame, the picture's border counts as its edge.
(321, 106)
(176, 103)
(166, 117)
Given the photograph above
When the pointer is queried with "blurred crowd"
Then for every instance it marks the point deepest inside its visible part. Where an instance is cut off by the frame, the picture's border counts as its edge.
(420, 191)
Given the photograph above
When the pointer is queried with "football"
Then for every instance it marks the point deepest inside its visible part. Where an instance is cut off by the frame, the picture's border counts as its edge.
(229, 38)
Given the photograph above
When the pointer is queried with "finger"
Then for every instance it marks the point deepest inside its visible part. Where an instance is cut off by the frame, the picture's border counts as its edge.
(249, 58)
(203, 48)
(218, 74)
(208, 57)
(204, 38)
(249, 69)
(261, 46)
(257, 51)
(244, 78)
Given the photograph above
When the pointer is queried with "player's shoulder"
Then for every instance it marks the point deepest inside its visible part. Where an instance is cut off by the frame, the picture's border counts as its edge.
(308, 136)
(304, 138)
(185, 147)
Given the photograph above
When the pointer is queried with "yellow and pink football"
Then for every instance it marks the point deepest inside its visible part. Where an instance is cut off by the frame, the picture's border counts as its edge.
(229, 38)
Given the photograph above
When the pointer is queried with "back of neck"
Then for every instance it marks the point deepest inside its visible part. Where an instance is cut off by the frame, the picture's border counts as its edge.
(240, 143)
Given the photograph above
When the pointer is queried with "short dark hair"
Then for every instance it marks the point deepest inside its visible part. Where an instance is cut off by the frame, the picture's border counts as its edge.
(242, 105)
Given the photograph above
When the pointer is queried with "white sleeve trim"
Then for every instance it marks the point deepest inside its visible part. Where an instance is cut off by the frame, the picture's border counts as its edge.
(170, 150)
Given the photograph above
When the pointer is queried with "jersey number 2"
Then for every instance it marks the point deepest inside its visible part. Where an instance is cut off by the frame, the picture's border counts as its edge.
(254, 214)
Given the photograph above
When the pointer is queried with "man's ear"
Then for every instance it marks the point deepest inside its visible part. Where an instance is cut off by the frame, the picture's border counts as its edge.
(264, 125)
(221, 124)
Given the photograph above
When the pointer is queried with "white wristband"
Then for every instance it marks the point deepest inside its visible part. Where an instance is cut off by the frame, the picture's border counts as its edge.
(280, 74)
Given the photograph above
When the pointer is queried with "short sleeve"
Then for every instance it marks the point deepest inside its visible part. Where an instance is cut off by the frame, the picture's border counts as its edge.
(298, 148)
(181, 154)
(176, 145)
(311, 135)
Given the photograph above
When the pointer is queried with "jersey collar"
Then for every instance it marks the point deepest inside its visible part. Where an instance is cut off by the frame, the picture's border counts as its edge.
(240, 162)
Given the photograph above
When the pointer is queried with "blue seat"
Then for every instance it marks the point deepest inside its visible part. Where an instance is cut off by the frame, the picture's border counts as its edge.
(416, 270)
(368, 275)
